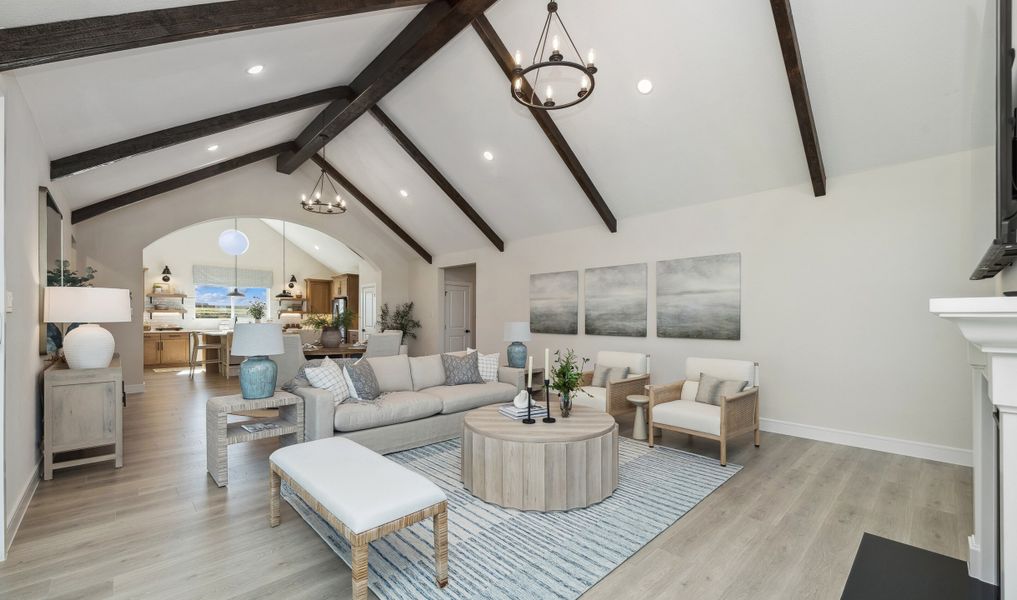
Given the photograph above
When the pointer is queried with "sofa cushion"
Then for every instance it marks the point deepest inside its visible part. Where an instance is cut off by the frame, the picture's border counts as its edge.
(427, 371)
(724, 368)
(689, 389)
(388, 409)
(597, 398)
(329, 376)
(461, 370)
(688, 414)
(365, 384)
(635, 361)
(487, 364)
(712, 389)
(471, 395)
(392, 373)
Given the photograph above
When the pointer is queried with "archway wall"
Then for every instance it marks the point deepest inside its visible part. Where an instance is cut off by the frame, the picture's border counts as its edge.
(113, 243)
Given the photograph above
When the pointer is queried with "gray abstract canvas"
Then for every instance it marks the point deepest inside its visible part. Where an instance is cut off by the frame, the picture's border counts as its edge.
(700, 297)
(554, 302)
(616, 301)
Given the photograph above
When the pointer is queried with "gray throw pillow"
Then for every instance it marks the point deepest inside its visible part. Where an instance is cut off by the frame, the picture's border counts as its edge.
(364, 380)
(460, 370)
(602, 374)
(712, 389)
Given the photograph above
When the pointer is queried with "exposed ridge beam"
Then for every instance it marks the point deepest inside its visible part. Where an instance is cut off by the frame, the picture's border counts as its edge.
(427, 33)
(168, 185)
(505, 60)
(432, 171)
(370, 205)
(785, 23)
(110, 153)
(63, 40)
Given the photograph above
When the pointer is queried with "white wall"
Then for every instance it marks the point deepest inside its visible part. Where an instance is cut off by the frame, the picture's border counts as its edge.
(834, 293)
(113, 242)
(26, 168)
(199, 245)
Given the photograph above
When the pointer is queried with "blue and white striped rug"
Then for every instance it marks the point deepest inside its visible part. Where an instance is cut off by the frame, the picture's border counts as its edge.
(509, 554)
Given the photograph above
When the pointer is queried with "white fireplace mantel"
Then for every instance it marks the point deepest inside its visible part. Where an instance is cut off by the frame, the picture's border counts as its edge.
(990, 325)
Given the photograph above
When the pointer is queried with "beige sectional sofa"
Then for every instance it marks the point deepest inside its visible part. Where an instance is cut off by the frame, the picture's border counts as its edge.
(416, 407)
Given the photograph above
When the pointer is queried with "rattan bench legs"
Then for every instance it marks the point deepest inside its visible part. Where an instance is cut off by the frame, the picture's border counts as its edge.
(359, 541)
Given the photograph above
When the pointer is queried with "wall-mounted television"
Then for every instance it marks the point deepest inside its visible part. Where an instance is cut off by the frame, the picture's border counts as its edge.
(1003, 250)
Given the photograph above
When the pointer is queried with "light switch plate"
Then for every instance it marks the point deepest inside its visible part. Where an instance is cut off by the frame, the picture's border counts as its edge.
(9, 302)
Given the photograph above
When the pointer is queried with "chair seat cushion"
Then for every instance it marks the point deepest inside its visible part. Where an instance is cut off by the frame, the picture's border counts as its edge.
(688, 414)
(388, 409)
(360, 487)
(596, 400)
(467, 396)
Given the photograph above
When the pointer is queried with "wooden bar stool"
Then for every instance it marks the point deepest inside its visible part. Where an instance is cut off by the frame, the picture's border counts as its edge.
(198, 342)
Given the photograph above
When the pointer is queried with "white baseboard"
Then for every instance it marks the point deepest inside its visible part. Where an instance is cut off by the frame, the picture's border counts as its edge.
(134, 388)
(946, 454)
(27, 493)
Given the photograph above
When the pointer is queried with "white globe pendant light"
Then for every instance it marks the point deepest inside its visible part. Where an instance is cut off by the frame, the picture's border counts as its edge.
(234, 242)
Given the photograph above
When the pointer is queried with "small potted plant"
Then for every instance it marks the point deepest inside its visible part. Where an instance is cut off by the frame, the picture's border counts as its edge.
(333, 328)
(257, 310)
(566, 378)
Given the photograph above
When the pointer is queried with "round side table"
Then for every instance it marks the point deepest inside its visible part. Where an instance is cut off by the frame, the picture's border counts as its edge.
(639, 425)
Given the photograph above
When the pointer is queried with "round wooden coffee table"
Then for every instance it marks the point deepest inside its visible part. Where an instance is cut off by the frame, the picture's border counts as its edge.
(572, 463)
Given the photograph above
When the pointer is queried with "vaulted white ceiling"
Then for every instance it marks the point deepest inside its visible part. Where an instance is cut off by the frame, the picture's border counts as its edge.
(890, 82)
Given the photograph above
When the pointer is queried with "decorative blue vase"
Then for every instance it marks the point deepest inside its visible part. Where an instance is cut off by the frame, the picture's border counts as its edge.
(257, 377)
(516, 353)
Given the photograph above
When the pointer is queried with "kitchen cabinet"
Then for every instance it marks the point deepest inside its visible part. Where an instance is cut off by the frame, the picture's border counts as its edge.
(318, 293)
(167, 349)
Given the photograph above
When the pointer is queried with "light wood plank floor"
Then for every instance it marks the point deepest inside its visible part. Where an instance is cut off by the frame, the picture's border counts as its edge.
(786, 527)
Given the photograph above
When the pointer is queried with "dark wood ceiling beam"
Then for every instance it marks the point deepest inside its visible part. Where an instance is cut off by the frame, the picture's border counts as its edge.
(51, 42)
(785, 23)
(427, 33)
(505, 60)
(110, 153)
(168, 185)
(370, 205)
(432, 171)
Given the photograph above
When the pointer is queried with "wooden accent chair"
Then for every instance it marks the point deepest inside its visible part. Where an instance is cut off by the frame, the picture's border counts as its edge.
(612, 398)
(673, 406)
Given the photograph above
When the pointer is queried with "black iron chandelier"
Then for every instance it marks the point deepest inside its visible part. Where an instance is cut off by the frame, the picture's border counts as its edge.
(525, 92)
(314, 202)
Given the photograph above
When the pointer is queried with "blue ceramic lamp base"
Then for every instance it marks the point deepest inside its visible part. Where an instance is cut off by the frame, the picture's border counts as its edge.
(258, 377)
(516, 354)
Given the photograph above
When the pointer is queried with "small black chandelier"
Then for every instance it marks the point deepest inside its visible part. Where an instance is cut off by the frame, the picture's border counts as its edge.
(525, 92)
(315, 204)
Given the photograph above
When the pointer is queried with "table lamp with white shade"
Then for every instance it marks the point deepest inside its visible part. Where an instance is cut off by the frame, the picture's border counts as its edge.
(87, 346)
(258, 373)
(517, 332)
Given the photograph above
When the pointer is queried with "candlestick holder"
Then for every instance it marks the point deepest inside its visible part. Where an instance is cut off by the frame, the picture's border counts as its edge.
(529, 407)
(547, 397)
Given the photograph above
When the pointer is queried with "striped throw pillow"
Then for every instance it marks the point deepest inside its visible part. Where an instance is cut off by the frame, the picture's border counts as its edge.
(329, 376)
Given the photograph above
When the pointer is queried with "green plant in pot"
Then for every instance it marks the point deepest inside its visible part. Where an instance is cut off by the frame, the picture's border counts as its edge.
(333, 327)
(567, 378)
(401, 318)
(257, 310)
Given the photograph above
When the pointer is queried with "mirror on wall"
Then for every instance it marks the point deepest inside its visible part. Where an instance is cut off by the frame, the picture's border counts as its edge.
(51, 256)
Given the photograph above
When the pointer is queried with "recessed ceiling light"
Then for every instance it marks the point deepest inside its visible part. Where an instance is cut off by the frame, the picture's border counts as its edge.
(404, 193)
(255, 69)
(213, 147)
(316, 247)
(645, 86)
(488, 155)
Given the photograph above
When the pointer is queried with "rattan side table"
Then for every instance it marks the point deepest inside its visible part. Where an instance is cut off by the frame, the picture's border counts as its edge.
(219, 434)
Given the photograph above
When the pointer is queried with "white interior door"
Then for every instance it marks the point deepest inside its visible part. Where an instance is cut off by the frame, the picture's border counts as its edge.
(457, 317)
(368, 307)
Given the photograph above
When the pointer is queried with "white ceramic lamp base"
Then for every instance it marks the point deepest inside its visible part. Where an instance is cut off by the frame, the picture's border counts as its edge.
(88, 347)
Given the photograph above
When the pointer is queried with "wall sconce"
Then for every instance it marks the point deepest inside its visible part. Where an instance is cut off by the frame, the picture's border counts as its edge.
(166, 274)
(293, 281)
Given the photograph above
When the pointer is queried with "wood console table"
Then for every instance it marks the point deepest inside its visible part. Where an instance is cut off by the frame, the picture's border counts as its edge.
(545, 466)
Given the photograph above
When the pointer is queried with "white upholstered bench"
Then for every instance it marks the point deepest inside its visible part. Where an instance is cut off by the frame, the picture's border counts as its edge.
(363, 495)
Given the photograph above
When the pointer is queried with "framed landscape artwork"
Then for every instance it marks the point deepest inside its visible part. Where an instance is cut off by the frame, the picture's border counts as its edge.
(616, 301)
(554, 303)
(700, 297)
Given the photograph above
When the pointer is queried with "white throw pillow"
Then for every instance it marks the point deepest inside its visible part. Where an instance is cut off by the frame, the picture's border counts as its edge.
(330, 377)
(488, 365)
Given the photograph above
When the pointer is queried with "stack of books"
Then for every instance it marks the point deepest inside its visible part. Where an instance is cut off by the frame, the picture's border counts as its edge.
(510, 411)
